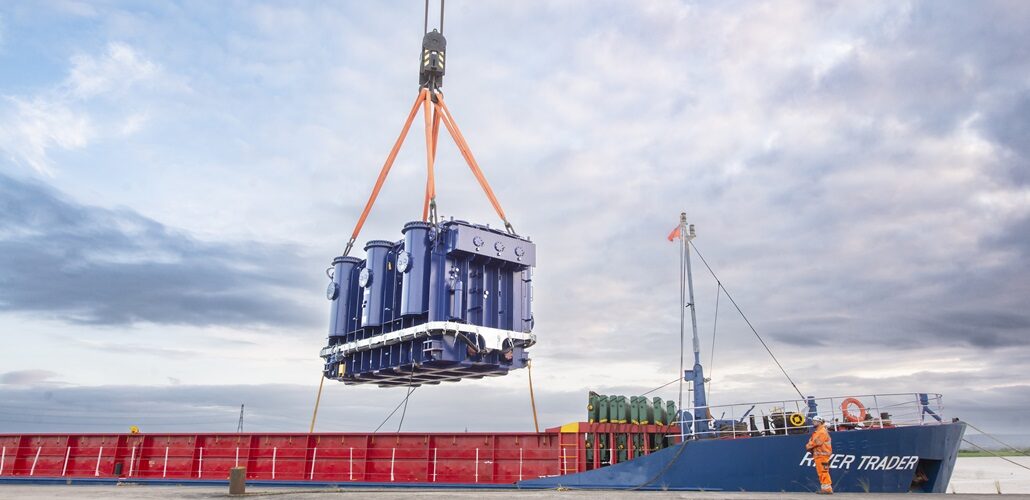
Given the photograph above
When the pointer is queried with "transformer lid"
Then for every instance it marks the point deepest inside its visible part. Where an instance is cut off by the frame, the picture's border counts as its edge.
(451, 224)
(416, 225)
(352, 260)
(379, 243)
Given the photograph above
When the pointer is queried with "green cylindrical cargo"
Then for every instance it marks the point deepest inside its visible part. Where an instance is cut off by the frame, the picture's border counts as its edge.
(659, 411)
(623, 410)
(670, 412)
(592, 407)
(603, 409)
(646, 413)
(634, 410)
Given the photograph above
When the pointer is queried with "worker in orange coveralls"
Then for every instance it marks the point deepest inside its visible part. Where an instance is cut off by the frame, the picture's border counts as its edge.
(821, 448)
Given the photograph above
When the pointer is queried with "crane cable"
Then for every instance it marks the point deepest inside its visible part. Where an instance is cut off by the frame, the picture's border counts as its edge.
(746, 320)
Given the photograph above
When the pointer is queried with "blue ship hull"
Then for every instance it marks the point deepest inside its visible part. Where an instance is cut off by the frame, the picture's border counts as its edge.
(870, 460)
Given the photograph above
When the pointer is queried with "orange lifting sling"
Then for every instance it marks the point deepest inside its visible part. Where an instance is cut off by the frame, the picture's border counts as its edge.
(435, 111)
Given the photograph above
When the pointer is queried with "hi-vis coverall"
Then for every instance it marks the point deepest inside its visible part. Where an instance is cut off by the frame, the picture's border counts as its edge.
(820, 446)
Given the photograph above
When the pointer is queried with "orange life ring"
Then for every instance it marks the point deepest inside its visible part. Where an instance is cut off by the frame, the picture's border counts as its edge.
(851, 417)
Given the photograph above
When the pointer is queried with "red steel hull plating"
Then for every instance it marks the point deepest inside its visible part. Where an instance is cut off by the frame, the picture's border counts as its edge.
(454, 458)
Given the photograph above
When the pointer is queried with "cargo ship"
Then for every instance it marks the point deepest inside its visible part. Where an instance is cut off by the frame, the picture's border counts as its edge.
(452, 300)
(891, 455)
(890, 443)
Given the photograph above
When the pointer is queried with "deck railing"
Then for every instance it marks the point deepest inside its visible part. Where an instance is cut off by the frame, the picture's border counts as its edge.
(795, 416)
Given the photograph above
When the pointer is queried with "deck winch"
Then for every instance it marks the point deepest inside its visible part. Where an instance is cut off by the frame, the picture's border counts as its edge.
(447, 302)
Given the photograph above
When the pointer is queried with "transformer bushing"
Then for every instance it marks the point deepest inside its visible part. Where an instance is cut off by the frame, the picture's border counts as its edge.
(445, 303)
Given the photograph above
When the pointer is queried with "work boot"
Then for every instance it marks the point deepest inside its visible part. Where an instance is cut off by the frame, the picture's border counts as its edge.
(825, 491)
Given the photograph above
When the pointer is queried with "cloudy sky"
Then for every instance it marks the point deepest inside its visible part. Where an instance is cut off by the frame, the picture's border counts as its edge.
(175, 177)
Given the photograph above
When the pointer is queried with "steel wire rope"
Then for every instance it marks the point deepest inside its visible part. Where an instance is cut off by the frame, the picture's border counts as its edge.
(746, 320)
(981, 448)
(715, 326)
(668, 465)
(411, 374)
(661, 386)
(1009, 446)
(410, 390)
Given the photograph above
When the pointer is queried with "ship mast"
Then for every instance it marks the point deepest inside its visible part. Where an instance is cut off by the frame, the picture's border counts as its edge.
(695, 375)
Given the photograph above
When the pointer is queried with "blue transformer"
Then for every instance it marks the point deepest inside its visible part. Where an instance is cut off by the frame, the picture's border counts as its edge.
(447, 302)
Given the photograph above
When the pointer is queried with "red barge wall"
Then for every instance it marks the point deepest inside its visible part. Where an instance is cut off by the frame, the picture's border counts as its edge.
(465, 458)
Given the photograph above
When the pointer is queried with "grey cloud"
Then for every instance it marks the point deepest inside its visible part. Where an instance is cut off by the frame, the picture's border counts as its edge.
(980, 328)
(797, 339)
(92, 265)
(814, 196)
(277, 408)
(1009, 125)
(26, 377)
(286, 408)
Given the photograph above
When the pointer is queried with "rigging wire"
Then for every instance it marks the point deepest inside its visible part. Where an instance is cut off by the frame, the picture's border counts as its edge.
(410, 375)
(661, 386)
(746, 320)
(403, 412)
(715, 326)
(410, 390)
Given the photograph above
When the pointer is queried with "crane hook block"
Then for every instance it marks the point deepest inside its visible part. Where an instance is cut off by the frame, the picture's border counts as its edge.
(431, 65)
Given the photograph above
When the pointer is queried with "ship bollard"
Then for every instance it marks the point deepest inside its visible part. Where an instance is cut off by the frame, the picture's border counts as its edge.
(238, 481)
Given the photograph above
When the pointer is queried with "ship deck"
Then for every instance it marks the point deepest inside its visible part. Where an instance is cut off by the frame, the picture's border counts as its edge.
(133, 492)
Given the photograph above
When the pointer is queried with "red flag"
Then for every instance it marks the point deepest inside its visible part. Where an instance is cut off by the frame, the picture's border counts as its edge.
(674, 234)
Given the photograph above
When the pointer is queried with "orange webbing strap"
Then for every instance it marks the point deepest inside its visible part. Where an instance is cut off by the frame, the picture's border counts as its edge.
(436, 137)
(436, 129)
(429, 109)
(459, 140)
(386, 170)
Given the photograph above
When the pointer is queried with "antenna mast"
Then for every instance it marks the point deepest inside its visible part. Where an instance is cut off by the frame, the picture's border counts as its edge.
(695, 375)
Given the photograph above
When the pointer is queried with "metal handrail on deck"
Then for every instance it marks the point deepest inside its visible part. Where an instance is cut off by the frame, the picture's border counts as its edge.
(794, 416)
